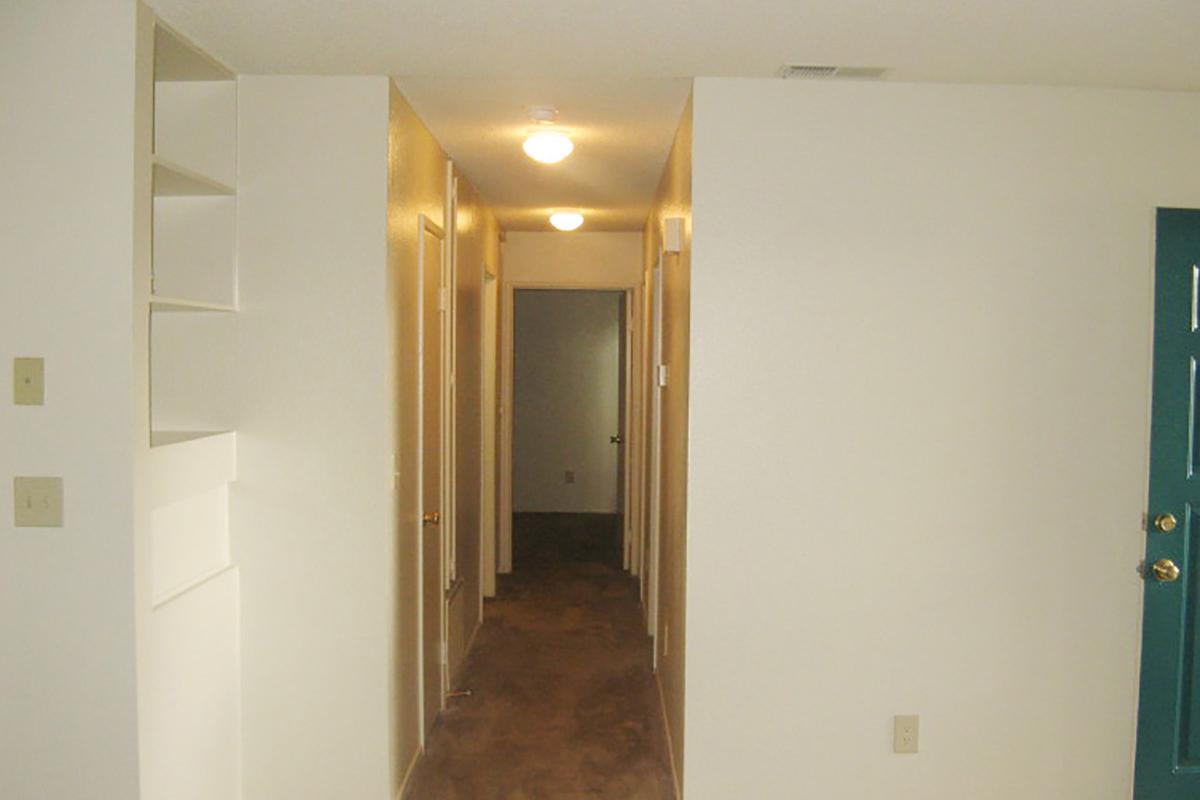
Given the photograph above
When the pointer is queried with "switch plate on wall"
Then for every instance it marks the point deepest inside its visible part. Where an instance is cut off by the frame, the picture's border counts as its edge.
(906, 738)
(38, 502)
(569, 476)
(29, 384)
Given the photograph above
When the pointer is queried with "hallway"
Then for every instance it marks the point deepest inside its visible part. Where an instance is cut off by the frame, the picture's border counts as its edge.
(563, 702)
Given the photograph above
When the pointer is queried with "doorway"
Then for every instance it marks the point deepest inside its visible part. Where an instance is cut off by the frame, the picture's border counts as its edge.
(601, 473)
(568, 407)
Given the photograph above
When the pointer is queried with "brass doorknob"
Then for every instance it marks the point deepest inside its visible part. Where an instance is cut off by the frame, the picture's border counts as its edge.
(431, 518)
(1165, 571)
(1165, 522)
(615, 439)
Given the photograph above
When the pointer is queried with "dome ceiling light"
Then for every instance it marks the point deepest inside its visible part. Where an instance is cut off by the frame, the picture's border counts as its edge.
(566, 220)
(546, 144)
(548, 147)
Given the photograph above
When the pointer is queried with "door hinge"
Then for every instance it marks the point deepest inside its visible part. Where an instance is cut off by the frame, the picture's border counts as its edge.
(443, 655)
(663, 372)
(443, 299)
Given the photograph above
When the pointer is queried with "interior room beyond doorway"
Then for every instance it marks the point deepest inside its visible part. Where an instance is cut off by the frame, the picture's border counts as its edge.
(568, 391)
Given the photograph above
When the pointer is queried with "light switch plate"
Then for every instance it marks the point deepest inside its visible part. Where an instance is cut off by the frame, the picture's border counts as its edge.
(906, 738)
(29, 381)
(37, 502)
(673, 234)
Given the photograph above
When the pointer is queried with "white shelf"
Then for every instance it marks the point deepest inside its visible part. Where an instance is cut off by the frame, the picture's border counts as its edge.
(188, 463)
(195, 126)
(181, 591)
(168, 438)
(176, 304)
(177, 59)
(172, 180)
(191, 374)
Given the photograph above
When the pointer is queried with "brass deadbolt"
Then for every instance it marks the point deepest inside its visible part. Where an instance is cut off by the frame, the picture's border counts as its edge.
(1165, 571)
(431, 518)
(1165, 522)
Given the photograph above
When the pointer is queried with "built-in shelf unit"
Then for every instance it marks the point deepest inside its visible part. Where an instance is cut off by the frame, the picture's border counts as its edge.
(190, 602)
(193, 263)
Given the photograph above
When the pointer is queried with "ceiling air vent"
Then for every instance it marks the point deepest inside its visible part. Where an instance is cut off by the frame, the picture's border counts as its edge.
(822, 71)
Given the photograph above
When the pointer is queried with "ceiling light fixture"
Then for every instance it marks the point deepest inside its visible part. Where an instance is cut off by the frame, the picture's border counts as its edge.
(566, 220)
(543, 115)
(548, 147)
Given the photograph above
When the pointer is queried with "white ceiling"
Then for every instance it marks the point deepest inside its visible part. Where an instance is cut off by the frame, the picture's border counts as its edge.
(622, 129)
(470, 67)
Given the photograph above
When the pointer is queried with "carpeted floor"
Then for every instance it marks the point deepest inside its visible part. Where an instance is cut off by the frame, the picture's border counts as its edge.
(563, 702)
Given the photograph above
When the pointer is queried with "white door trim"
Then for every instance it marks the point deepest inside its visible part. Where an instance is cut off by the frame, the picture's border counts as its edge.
(489, 301)
(656, 378)
(449, 391)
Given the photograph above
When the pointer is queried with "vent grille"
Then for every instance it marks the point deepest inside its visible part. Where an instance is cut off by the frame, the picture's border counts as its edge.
(817, 71)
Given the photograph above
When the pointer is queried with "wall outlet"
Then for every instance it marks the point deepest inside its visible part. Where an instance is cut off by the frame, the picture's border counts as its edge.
(29, 381)
(907, 734)
(38, 502)
(569, 476)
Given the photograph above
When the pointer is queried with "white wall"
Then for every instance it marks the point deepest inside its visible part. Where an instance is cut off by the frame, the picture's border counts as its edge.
(67, 653)
(563, 259)
(920, 369)
(312, 511)
(567, 378)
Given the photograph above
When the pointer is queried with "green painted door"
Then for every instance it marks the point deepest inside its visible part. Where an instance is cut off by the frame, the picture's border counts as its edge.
(1168, 747)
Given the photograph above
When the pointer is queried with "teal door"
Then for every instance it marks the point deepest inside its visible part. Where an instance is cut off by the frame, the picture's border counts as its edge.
(1168, 747)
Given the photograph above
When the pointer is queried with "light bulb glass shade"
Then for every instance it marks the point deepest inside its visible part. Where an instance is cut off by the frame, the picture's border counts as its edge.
(566, 220)
(548, 147)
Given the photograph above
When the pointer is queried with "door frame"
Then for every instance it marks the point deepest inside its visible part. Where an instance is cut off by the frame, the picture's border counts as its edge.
(489, 452)
(631, 500)
(449, 393)
(656, 379)
(427, 225)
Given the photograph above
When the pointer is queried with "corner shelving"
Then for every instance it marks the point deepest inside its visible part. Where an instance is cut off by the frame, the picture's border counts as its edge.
(189, 583)
(193, 293)
(177, 59)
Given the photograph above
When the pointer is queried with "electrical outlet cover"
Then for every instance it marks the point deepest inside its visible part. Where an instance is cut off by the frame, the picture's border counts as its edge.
(906, 738)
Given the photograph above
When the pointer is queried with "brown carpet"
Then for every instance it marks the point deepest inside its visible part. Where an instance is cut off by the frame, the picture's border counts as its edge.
(563, 702)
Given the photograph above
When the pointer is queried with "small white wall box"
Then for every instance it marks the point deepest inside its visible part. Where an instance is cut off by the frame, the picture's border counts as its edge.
(673, 234)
